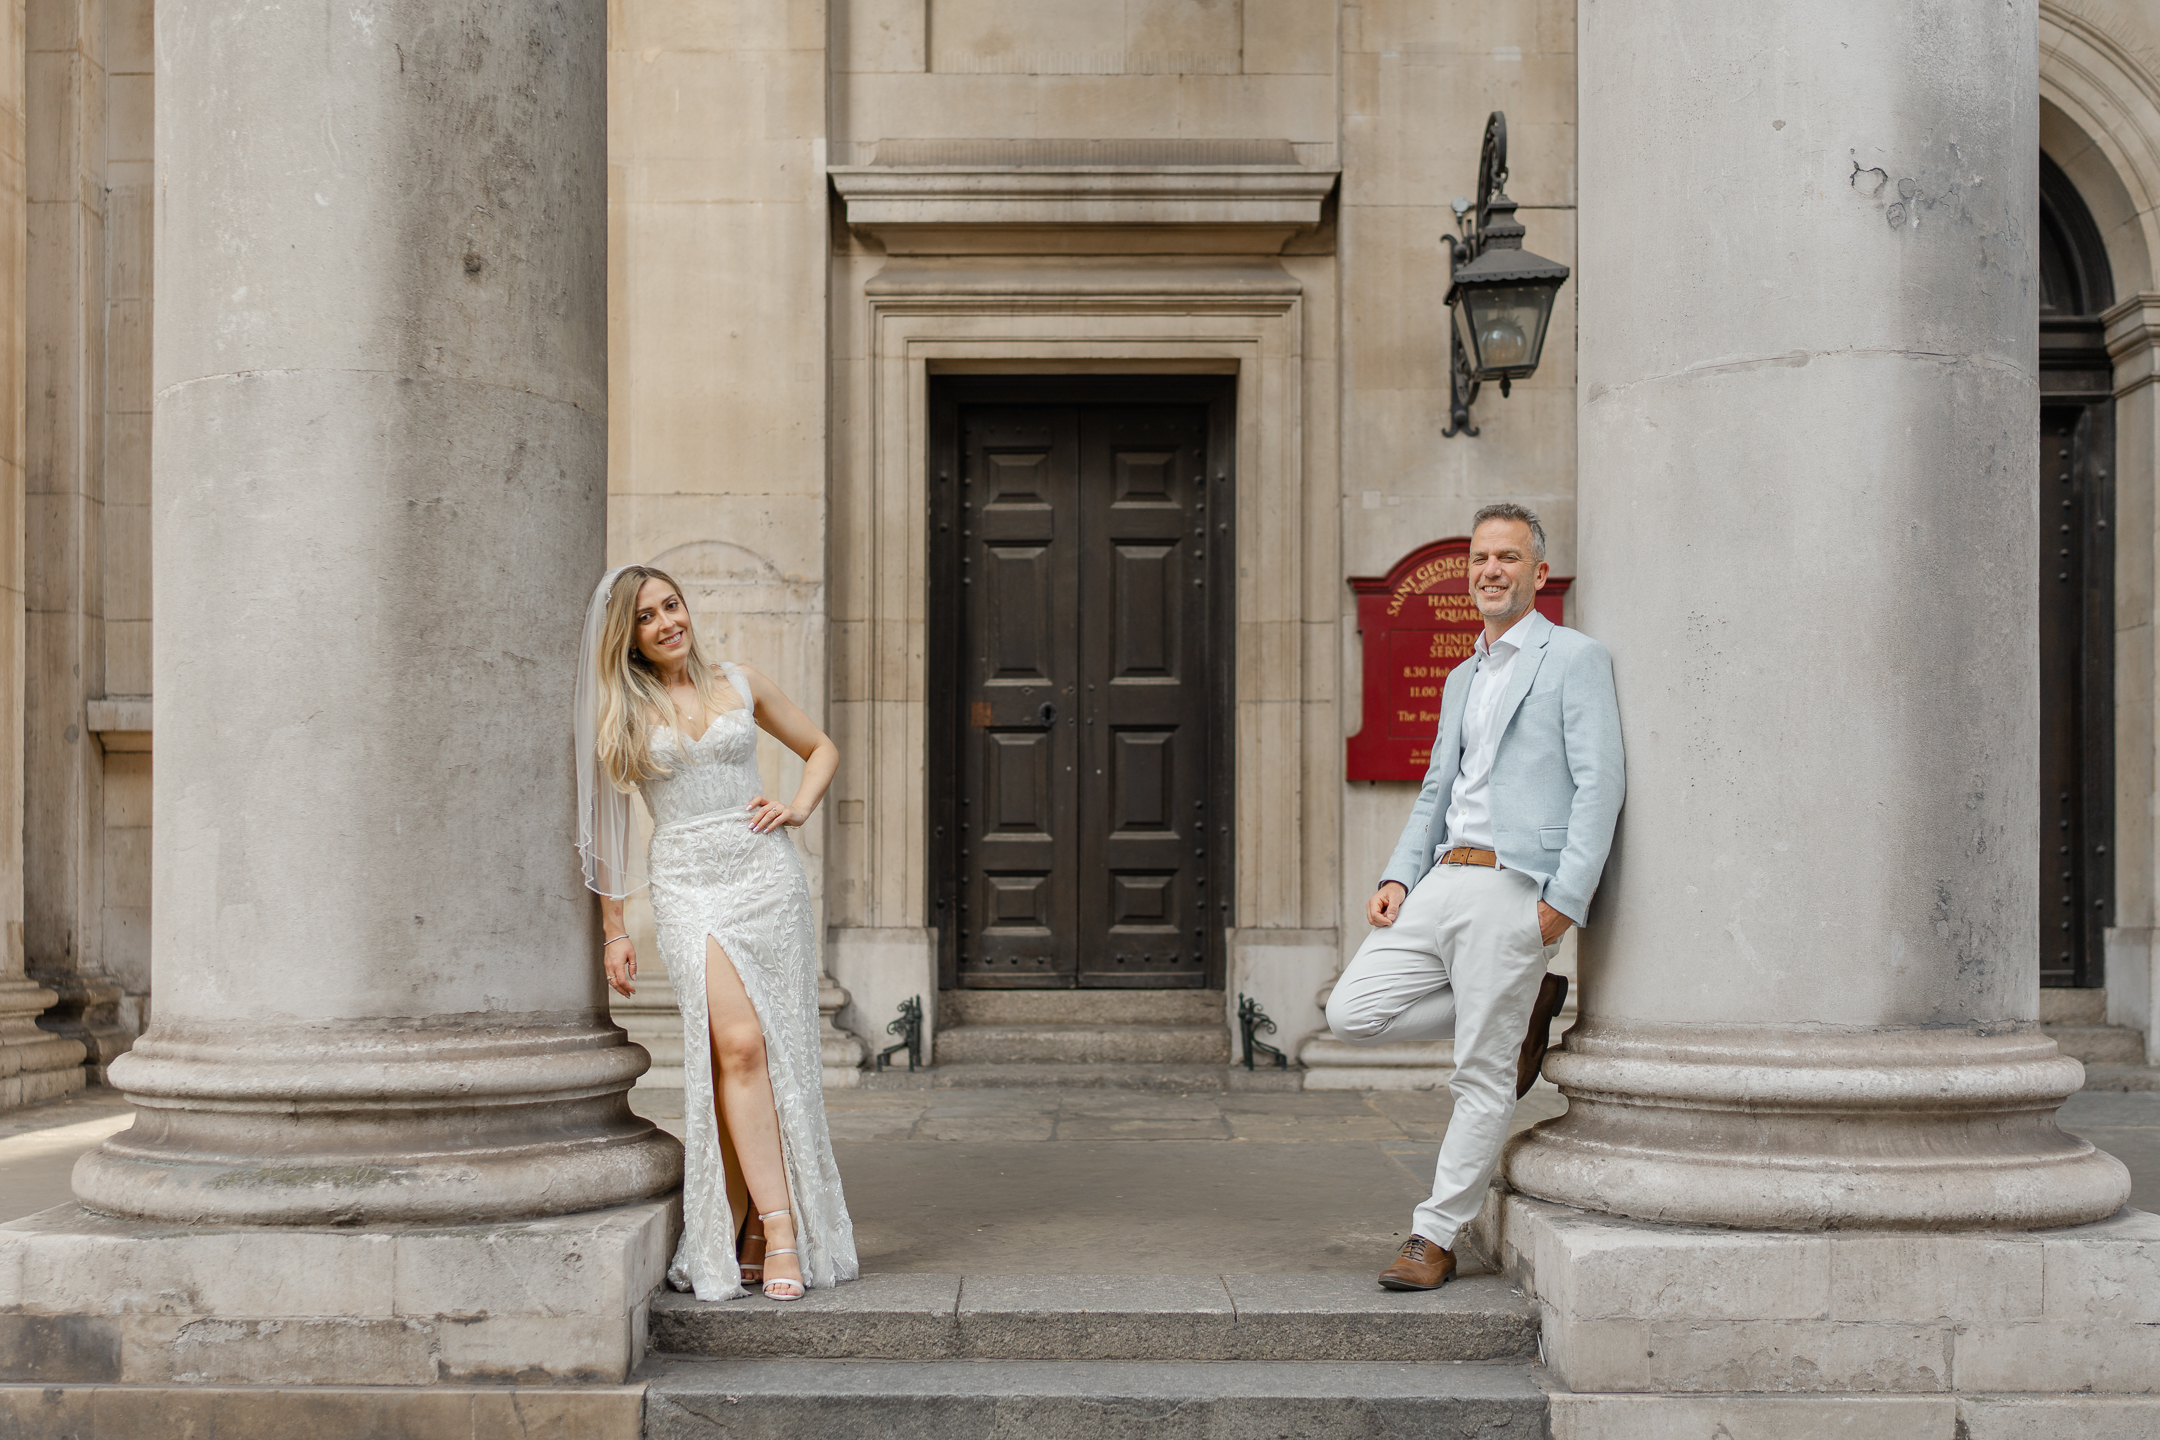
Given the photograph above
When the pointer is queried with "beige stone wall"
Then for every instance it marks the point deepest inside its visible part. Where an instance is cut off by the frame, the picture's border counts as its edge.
(716, 337)
(1418, 83)
(1106, 69)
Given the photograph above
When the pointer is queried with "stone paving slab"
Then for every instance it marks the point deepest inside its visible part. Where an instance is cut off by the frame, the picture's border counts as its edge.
(993, 1400)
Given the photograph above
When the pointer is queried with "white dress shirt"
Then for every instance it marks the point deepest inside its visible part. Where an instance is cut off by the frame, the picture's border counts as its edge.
(1469, 812)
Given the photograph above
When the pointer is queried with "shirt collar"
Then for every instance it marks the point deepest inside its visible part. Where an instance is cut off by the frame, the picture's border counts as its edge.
(1517, 634)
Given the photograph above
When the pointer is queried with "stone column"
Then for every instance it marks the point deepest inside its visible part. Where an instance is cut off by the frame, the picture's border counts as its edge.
(2133, 340)
(34, 1064)
(64, 627)
(379, 495)
(1808, 447)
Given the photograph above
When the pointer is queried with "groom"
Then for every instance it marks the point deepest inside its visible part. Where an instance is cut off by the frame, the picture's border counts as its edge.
(1502, 853)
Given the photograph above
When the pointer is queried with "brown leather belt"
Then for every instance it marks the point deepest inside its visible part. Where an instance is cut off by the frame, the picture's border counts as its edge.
(1465, 856)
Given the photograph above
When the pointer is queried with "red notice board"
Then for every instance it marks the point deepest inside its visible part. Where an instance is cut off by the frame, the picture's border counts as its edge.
(1419, 623)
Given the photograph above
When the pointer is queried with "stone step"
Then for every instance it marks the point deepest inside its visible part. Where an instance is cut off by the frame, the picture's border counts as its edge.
(1108, 1317)
(1079, 1400)
(1182, 1079)
(1081, 1007)
(2099, 1044)
(975, 1044)
(2060, 1005)
(2123, 1079)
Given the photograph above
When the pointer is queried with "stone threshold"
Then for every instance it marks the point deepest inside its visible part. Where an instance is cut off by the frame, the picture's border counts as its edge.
(1022, 1075)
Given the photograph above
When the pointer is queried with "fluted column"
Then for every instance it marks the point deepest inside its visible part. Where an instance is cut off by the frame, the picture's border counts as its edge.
(1808, 439)
(379, 499)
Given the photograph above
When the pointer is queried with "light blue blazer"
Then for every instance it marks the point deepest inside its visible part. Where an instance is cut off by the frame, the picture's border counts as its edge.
(1557, 777)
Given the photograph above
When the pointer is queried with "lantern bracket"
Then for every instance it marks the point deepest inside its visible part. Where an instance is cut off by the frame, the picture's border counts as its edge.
(1489, 224)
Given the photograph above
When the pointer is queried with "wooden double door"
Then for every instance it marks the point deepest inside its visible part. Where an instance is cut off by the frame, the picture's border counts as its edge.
(1080, 712)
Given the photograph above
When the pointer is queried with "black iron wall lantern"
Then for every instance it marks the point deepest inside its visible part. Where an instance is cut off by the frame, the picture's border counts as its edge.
(1500, 295)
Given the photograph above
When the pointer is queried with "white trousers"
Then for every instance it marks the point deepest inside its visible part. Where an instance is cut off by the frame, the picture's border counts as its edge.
(1463, 959)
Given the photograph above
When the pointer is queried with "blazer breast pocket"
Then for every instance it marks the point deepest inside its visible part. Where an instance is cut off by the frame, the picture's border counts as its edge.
(1540, 708)
(1553, 837)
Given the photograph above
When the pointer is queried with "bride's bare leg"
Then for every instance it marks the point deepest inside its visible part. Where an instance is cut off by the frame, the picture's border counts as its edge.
(743, 1088)
(750, 1250)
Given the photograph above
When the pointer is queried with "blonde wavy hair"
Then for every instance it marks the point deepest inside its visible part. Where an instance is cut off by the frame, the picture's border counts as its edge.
(632, 698)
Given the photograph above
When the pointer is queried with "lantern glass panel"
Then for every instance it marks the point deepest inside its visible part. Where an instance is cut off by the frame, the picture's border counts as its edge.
(1503, 327)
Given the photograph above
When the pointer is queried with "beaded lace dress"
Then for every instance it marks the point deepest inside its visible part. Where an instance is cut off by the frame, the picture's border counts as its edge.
(711, 875)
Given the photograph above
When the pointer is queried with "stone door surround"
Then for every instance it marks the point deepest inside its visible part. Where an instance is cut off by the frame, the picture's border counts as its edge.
(1236, 316)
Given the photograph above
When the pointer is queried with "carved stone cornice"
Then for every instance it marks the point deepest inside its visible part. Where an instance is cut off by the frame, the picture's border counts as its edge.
(2133, 341)
(1083, 197)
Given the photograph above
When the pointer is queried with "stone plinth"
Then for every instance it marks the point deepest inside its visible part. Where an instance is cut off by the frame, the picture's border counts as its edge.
(274, 1412)
(1647, 1323)
(86, 1299)
(1332, 1064)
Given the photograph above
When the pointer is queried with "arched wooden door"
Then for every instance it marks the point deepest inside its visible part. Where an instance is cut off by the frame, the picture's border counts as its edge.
(2077, 592)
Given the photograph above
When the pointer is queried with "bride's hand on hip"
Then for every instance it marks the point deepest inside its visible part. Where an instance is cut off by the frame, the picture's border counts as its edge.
(767, 816)
(620, 962)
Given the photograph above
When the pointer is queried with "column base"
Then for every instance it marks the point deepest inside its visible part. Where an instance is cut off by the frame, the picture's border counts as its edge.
(86, 1011)
(453, 1122)
(1665, 1310)
(1772, 1128)
(35, 1064)
(89, 1300)
(840, 1054)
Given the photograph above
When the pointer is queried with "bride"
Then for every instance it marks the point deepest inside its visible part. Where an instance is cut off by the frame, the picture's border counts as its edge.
(761, 1195)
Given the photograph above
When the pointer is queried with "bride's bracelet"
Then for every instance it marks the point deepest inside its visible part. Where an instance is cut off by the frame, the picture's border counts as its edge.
(605, 943)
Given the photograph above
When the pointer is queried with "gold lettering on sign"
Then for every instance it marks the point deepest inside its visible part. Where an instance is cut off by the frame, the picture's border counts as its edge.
(1452, 644)
(1428, 577)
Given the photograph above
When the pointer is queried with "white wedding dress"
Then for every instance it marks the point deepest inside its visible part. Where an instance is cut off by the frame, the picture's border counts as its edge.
(712, 876)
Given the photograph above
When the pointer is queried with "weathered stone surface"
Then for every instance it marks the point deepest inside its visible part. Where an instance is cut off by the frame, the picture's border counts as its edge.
(1109, 1317)
(963, 1400)
(879, 1317)
(270, 1412)
(2049, 1417)
(91, 1298)
(1759, 1417)
(1632, 1307)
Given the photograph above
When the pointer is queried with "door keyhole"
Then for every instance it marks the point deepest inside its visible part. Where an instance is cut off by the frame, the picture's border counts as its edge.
(1047, 714)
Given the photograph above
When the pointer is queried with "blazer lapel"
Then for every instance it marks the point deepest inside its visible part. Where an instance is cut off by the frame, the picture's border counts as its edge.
(1454, 699)
(1520, 676)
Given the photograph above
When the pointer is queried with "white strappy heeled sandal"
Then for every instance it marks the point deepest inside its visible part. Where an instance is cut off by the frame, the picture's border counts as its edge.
(782, 1289)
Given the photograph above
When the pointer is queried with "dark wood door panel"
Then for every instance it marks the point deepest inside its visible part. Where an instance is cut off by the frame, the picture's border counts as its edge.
(1081, 658)
(2077, 866)
(1018, 582)
(1146, 758)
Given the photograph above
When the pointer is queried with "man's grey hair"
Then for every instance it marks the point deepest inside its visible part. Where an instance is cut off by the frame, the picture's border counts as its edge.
(1509, 510)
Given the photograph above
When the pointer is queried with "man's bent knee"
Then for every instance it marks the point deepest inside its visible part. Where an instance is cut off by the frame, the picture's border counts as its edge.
(1354, 1023)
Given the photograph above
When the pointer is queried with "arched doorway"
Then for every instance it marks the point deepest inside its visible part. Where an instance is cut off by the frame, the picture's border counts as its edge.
(2077, 591)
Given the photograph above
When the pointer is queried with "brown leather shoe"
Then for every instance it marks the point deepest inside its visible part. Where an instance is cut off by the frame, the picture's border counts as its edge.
(1551, 995)
(1422, 1265)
